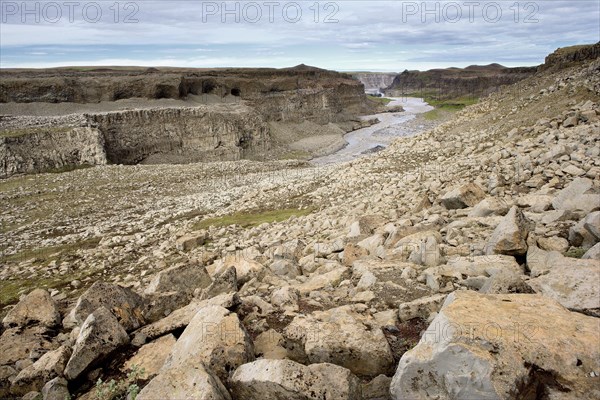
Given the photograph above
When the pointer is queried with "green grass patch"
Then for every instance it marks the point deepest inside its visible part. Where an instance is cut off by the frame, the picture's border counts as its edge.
(248, 220)
(47, 254)
(381, 100)
(67, 168)
(575, 252)
(449, 104)
(295, 155)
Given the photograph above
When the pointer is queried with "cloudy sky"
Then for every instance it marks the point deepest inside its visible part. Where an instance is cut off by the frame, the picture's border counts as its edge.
(342, 35)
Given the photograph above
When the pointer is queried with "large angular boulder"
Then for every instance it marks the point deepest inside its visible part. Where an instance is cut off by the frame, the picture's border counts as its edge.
(100, 335)
(151, 357)
(56, 389)
(21, 344)
(216, 338)
(181, 278)
(343, 337)
(124, 303)
(225, 282)
(191, 240)
(285, 379)
(187, 381)
(35, 308)
(579, 236)
(592, 223)
(49, 366)
(489, 206)
(462, 197)
(574, 283)
(245, 268)
(578, 195)
(510, 236)
(181, 317)
(420, 308)
(502, 347)
(320, 281)
(593, 253)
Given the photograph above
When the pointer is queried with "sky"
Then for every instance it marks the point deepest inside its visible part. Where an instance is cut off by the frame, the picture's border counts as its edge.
(341, 35)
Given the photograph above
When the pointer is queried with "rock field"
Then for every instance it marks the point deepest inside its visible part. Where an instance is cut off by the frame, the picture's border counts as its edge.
(460, 263)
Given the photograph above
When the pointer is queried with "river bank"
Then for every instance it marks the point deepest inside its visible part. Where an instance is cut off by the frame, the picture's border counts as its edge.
(391, 126)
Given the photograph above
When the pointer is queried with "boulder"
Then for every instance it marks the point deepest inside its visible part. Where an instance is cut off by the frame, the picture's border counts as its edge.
(35, 308)
(190, 241)
(245, 268)
(324, 249)
(503, 283)
(579, 236)
(341, 336)
(151, 357)
(510, 236)
(501, 347)
(216, 338)
(462, 197)
(352, 253)
(56, 389)
(420, 308)
(593, 253)
(578, 195)
(49, 366)
(320, 281)
(187, 381)
(592, 223)
(225, 282)
(25, 344)
(285, 298)
(270, 344)
(126, 305)
(427, 254)
(554, 243)
(100, 335)
(574, 283)
(286, 379)
(181, 317)
(489, 206)
(366, 225)
(285, 268)
(181, 278)
(377, 389)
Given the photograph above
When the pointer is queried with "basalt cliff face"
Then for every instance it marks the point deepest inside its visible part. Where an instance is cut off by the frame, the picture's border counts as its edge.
(178, 135)
(474, 81)
(172, 115)
(274, 86)
(568, 56)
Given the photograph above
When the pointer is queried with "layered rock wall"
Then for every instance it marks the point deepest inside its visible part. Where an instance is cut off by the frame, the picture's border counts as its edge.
(43, 149)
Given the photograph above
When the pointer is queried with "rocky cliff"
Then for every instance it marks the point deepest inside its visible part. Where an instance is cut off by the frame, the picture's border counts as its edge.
(220, 132)
(567, 56)
(48, 148)
(253, 85)
(220, 114)
(474, 81)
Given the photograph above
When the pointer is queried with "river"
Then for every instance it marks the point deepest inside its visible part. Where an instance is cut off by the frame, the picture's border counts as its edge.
(390, 127)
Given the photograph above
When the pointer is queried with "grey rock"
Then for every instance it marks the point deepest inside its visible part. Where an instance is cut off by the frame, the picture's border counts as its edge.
(100, 335)
(510, 236)
(126, 305)
(36, 308)
(286, 379)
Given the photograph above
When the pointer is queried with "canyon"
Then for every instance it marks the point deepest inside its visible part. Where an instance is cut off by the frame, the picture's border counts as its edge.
(135, 116)
(461, 261)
